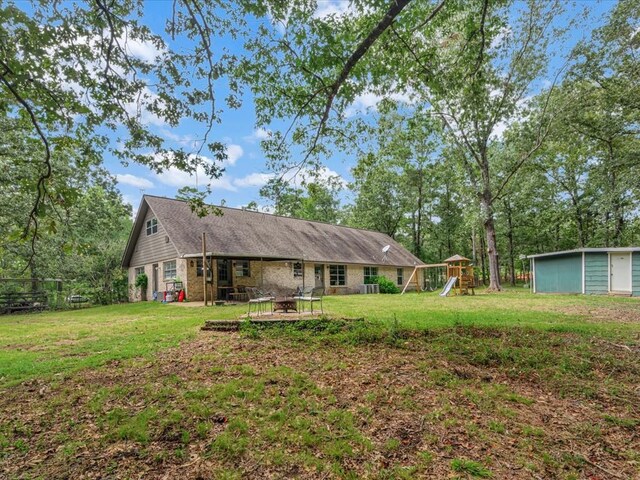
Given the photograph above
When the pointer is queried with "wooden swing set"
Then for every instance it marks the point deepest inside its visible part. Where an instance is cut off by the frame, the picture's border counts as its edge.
(460, 276)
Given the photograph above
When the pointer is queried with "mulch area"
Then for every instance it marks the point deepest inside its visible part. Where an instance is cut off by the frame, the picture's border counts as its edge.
(386, 389)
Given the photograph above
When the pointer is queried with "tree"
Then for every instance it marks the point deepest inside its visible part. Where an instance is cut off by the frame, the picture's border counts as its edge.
(463, 63)
(317, 200)
(94, 75)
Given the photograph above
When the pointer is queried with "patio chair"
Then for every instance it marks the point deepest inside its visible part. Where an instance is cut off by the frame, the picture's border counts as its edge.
(255, 298)
(239, 294)
(311, 295)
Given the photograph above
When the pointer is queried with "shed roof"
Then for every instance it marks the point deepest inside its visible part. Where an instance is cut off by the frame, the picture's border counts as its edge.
(587, 250)
(249, 234)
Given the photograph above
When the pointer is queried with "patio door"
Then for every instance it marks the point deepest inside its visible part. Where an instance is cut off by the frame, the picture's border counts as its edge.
(225, 280)
(620, 271)
(318, 271)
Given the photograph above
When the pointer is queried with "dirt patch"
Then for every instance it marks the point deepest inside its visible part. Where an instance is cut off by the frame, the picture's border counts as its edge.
(270, 407)
(618, 313)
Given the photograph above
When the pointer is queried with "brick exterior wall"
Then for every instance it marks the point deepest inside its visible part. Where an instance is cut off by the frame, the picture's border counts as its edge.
(267, 275)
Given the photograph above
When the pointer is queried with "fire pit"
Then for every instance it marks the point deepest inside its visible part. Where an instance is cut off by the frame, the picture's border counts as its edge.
(285, 304)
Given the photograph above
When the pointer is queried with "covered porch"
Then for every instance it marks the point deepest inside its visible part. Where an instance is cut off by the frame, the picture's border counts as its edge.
(225, 278)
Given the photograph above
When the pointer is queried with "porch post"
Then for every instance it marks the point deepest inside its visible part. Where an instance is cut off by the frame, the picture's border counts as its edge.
(261, 274)
(205, 268)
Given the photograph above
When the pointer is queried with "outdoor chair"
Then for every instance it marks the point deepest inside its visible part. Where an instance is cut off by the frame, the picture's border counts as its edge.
(239, 294)
(311, 295)
(260, 301)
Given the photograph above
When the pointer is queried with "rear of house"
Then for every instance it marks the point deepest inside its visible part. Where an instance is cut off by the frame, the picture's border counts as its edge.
(591, 271)
(251, 249)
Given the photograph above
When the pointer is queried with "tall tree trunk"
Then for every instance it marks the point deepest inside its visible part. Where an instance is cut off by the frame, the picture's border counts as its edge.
(473, 244)
(448, 198)
(492, 254)
(512, 262)
(483, 256)
(418, 240)
(486, 205)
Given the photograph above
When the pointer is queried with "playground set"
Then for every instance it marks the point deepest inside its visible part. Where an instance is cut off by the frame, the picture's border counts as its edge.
(460, 277)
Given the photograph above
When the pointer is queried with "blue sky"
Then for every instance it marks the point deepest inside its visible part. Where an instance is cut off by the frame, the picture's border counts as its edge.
(245, 170)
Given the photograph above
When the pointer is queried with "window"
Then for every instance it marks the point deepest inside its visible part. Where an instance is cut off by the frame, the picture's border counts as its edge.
(242, 268)
(400, 273)
(169, 270)
(139, 271)
(152, 226)
(370, 273)
(337, 275)
(199, 268)
(297, 270)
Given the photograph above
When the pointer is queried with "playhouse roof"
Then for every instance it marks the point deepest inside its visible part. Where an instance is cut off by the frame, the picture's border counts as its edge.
(457, 258)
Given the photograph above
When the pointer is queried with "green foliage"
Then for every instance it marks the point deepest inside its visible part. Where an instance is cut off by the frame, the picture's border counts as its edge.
(142, 281)
(474, 469)
(386, 285)
(318, 200)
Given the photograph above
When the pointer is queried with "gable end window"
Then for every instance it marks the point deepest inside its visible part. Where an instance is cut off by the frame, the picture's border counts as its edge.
(152, 226)
(337, 275)
(169, 270)
(370, 273)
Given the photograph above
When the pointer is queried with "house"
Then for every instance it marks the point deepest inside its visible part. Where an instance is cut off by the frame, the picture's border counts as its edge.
(595, 271)
(248, 248)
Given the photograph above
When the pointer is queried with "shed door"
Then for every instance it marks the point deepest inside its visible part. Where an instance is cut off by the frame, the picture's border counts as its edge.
(559, 274)
(620, 272)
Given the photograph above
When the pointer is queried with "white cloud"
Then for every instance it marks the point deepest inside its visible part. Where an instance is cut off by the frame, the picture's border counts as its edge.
(503, 36)
(133, 181)
(258, 135)
(253, 180)
(178, 178)
(138, 108)
(234, 152)
(340, 8)
(295, 177)
(327, 8)
(145, 51)
(188, 141)
(369, 101)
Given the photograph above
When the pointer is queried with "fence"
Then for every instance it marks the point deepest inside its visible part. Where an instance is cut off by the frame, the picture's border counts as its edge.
(29, 294)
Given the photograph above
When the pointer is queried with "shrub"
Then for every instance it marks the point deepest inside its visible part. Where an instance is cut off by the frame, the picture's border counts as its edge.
(142, 281)
(386, 285)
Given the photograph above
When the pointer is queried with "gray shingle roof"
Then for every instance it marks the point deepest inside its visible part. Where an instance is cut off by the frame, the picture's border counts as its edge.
(245, 233)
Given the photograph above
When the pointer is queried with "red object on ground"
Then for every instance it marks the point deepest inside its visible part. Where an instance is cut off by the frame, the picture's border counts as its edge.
(181, 296)
(165, 296)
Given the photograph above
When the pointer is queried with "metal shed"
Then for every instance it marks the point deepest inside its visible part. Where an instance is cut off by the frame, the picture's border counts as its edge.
(593, 271)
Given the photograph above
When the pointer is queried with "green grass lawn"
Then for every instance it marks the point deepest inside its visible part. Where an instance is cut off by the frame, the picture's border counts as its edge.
(511, 385)
(43, 344)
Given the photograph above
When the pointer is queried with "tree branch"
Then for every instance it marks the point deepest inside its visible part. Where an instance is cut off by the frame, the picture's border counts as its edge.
(41, 190)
